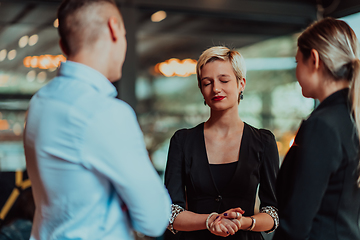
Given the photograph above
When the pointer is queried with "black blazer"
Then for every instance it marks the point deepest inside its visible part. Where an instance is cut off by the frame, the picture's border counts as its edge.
(189, 180)
(317, 194)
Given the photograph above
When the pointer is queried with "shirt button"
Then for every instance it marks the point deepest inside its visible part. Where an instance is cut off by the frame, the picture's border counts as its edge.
(219, 198)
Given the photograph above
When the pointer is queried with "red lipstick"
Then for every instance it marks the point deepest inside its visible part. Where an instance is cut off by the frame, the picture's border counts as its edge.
(218, 98)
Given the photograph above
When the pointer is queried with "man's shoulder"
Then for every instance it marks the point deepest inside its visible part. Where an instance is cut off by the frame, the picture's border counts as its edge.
(115, 106)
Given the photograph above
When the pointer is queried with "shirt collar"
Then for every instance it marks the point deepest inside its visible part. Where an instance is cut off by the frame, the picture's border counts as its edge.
(337, 97)
(89, 75)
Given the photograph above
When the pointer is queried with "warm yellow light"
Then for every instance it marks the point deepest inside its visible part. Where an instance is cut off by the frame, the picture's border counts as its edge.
(3, 54)
(187, 68)
(158, 16)
(176, 67)
(33, 40)
(59, 59)
(56, 23)
(23, 41)
(34, 62)
(30, 76)
(41, 77)
(27, 61)
(4, 125)
(12, 54)
(44, 61)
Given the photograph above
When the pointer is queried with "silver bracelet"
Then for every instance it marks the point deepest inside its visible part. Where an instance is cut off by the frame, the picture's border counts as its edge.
(175, 211)
(207, 220)
(272, 211)
(253, 222)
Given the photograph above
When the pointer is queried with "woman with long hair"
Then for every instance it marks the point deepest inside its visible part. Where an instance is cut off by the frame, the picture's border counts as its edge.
(214, 169)
(318, 184)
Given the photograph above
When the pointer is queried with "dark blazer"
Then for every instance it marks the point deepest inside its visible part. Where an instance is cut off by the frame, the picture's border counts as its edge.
(317, 194)
(189, 180)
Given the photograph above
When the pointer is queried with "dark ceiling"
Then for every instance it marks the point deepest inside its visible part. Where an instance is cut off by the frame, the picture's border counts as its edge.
(191, 26)
(194, 25)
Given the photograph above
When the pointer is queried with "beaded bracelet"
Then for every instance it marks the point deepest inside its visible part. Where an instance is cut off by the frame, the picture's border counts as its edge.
(272, 211)
(175, 211)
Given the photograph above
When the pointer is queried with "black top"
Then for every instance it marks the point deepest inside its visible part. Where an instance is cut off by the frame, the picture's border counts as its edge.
(222, 174)
(191, 185)
(317, 194)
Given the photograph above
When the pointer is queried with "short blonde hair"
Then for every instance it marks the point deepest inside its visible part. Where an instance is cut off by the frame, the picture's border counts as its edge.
(223, 54)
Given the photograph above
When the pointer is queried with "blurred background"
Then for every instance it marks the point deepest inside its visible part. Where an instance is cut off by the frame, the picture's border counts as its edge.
(165, 38)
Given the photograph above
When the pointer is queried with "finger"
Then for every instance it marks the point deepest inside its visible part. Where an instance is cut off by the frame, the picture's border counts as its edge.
(237, 210)
(231, 226)
(231, 215)
(214, 225)
(234, 213)
(230, 229)
(218, 226)
(237, 223)
(227, 228)
(224, 229)
(217, 233)
(217, 230)
(238, 215)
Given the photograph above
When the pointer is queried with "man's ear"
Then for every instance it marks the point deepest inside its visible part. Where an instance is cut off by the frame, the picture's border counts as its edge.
(315, 58)
(64, 47)
(114, 28)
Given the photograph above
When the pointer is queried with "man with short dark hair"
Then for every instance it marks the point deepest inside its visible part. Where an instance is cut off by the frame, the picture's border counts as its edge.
(86, 158)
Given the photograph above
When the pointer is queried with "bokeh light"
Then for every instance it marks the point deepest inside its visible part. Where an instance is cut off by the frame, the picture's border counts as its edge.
(30, 76)
(176, 67)
(41, 77)
(3, 54)
(158, 16)
(56, 23)
(44, 61)
(33, 40)
(12, 54)
(23, 41)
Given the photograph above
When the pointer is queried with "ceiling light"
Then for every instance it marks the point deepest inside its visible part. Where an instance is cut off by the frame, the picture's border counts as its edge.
(12, 54)
(158, 16)
(3, 54)
(33, 40)
(176, 67)
(44, 61)
(41, 77)
(23, 41)
(30, 76)
(56, 23)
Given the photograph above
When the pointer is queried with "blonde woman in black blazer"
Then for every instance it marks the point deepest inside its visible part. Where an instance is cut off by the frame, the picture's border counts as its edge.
(213, 170)
(318, 184)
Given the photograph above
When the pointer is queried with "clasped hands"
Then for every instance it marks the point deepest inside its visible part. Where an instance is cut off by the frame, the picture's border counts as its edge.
(226, 223)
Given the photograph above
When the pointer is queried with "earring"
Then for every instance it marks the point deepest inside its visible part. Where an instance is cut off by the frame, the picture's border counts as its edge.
(204, 102)
(241, 95)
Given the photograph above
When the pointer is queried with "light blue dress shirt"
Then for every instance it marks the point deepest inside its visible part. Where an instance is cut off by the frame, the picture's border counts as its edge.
(90, 171)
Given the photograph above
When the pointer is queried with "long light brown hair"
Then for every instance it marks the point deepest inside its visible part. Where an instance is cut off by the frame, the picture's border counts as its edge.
(338, 48)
